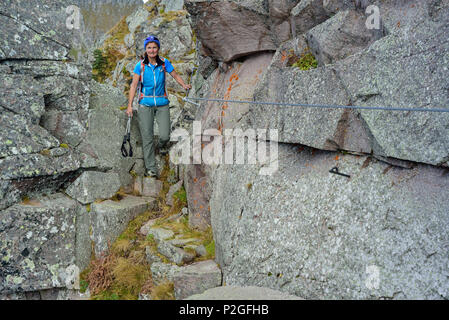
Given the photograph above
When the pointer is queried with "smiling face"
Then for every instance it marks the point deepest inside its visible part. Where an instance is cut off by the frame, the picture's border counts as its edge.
(152, 50)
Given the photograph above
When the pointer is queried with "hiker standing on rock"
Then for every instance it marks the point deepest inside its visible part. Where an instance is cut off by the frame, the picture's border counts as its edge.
(153, 100)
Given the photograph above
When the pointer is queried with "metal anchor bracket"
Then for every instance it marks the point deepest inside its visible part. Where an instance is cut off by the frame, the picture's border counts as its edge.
(335, 171)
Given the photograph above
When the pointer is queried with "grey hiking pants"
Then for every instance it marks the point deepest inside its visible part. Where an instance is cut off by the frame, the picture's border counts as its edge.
(145, 117)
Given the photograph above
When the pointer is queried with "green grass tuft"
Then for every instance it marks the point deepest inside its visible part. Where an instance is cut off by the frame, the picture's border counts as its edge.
(181, 195)
(306, 61)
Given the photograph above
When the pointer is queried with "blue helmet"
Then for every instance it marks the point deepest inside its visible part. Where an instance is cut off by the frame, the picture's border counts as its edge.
(151, 39)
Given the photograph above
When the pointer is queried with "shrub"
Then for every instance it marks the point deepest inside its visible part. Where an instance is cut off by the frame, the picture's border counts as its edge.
(306, 61)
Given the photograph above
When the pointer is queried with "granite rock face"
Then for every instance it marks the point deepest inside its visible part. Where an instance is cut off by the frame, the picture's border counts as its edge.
(341, 36)
(38, 244)
(307, 14)
(91, 186)
(382, 74)
(42, 119)
(236, 83)
(40, 29)
(380, 233)
(393, 64)
(220, 23)
(55, 123)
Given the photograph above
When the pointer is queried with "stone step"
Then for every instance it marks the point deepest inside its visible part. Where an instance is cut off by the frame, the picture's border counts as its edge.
(110, 218)
(160, 234)
(147, 187)
(183, 242)
(188, 280)
(174, 254)
(242, 293)
(196, 278)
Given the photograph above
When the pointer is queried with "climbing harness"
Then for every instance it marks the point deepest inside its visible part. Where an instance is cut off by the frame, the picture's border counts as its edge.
(127, 138)
(141, 91)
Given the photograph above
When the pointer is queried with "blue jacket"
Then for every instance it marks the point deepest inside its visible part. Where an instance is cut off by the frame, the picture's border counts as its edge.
(153, 88)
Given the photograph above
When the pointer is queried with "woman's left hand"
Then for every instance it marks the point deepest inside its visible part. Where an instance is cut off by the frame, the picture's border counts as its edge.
(187, 87)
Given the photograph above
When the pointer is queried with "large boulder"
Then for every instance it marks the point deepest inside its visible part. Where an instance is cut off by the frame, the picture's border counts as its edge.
(380, 233)
(397, 72)
(280, 17)
(91, 186)
(391, 72)
(228, 30)
(341, 36)
(38, 244)
(307, 14)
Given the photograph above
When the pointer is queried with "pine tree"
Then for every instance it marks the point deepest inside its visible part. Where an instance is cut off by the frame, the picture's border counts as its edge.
(99, 65)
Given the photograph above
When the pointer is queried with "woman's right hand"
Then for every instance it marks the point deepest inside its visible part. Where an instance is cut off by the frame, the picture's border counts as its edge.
(129, 111)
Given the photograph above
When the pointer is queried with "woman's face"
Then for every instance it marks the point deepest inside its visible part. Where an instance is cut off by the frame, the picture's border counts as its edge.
(152, 50)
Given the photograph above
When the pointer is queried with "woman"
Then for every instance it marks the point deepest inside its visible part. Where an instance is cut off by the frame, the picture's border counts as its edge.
(153, 102)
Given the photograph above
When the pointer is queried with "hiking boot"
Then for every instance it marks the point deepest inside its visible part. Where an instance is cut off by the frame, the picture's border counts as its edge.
(150, 174)
(163, 150)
